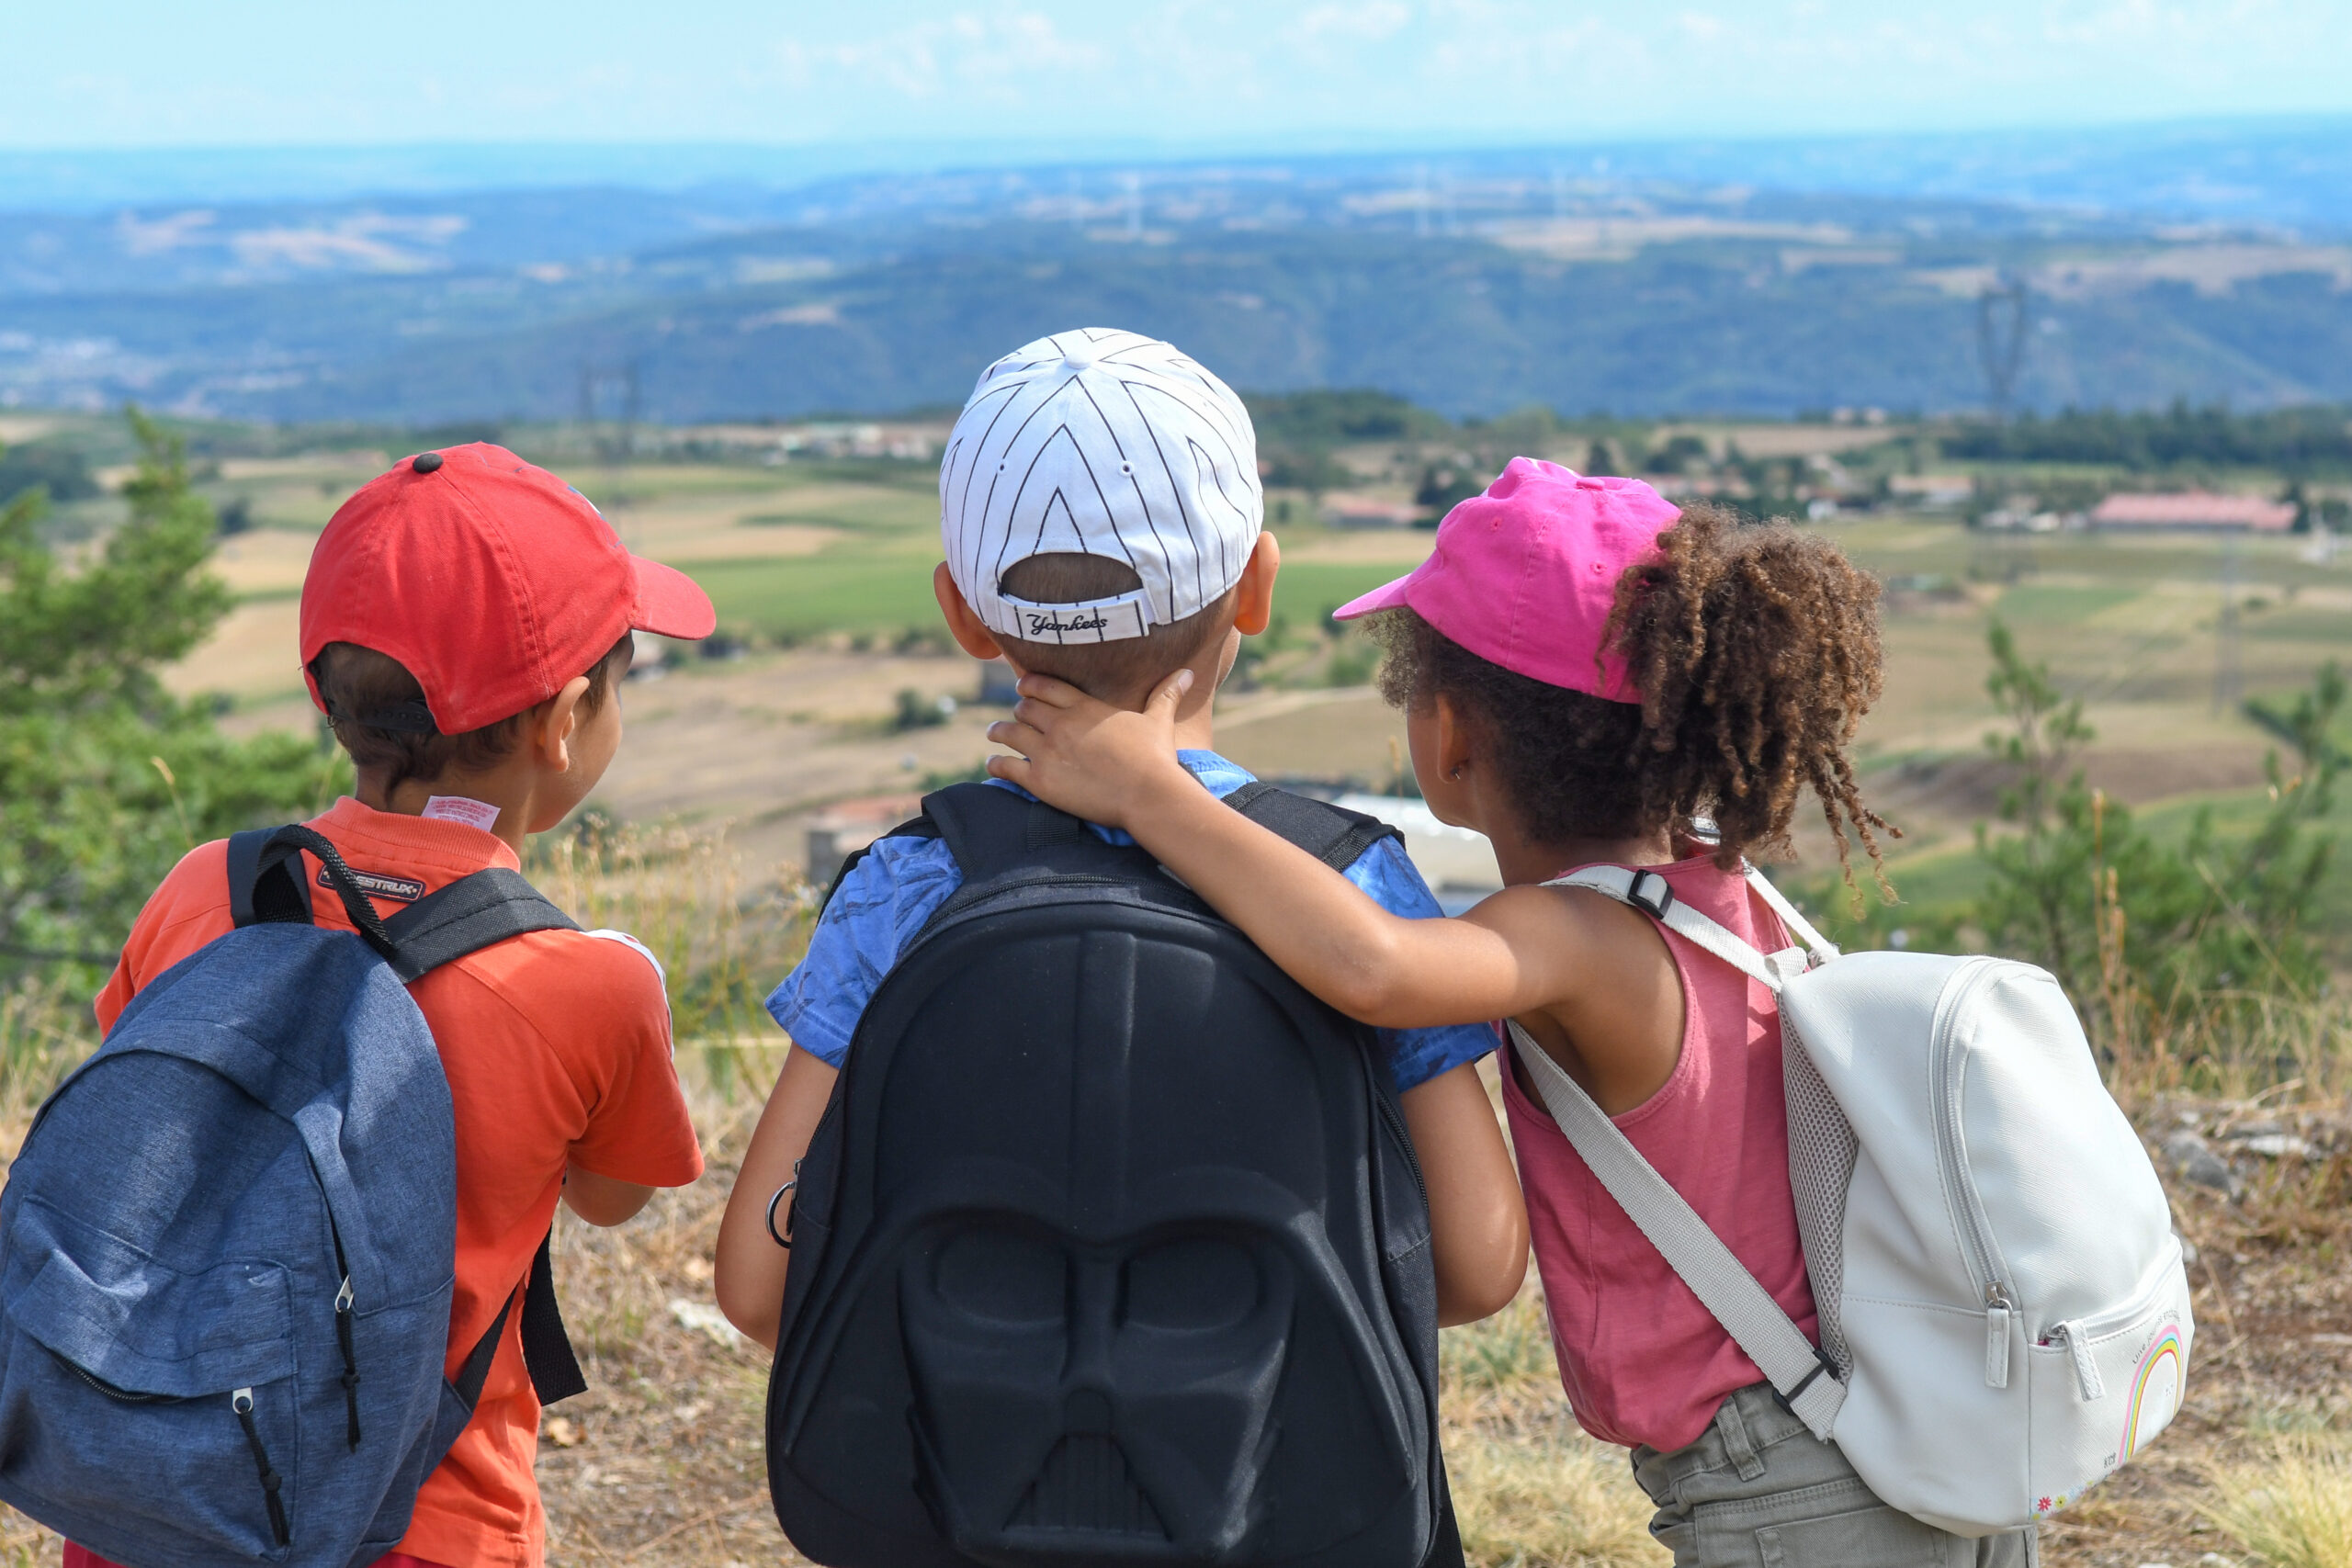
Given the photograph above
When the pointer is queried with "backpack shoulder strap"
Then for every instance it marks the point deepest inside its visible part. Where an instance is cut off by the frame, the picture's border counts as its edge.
(1822, 948)
(547, 1348)
(470, 914)
(266, 881)
(1332, 834)
(991, 831)
(477, 911)
(1802, 1375)
(1651, 894)
(287, 897)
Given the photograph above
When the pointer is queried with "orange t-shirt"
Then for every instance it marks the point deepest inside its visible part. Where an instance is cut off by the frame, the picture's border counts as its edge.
(557, 1048)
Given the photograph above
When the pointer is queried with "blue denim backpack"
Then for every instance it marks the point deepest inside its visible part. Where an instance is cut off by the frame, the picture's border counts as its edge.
(228, 1247)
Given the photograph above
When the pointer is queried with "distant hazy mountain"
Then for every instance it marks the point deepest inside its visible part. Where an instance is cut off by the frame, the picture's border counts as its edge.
(1638, 279)
(2294, 170)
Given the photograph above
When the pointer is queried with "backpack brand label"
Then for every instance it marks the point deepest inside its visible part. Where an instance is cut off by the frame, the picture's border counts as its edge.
(401, 889)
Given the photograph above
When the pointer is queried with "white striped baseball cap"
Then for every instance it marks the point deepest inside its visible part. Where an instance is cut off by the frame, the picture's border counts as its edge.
(1105, 443)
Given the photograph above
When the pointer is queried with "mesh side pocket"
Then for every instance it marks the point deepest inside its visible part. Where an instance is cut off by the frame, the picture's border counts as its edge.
(1822, 1152)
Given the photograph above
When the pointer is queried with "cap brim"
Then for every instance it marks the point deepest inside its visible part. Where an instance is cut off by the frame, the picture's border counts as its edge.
(671, 604)
(1389, 597)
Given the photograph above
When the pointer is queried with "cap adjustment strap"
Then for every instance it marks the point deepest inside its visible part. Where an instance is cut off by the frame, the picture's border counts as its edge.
(411, 717)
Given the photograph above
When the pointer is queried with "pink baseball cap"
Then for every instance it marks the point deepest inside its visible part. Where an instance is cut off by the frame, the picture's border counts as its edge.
(1525, 576)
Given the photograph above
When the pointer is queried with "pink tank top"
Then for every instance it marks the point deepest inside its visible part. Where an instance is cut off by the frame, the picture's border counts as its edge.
(1642, 1361)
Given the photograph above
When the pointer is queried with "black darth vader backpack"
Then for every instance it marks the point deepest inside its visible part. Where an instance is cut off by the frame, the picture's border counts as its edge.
(1111, 1247)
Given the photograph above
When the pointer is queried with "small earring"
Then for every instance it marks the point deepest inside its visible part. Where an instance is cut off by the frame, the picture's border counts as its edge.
(1456, 773)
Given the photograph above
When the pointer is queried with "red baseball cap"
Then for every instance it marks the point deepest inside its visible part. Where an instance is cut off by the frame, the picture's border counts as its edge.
(1525, 576)
(491, 580)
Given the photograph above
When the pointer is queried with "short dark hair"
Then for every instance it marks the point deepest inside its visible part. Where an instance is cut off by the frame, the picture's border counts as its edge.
(356, 680)
(1120, 671)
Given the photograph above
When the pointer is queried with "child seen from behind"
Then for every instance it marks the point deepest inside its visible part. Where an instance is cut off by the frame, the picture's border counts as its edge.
(1587, 676)
(466, 623)
(1103, 524)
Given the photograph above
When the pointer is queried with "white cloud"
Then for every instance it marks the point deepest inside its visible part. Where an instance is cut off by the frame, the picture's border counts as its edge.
(1367, 21)
(990, 55)
(1231, 70)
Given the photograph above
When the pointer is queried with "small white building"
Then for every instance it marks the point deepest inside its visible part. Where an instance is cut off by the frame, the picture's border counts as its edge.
(1368, 511)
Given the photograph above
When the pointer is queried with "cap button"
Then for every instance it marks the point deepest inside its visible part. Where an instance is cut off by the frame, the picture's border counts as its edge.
(427, 462)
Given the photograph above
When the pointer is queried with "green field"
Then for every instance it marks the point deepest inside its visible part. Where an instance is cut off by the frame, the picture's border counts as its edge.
(852, 591)
(869, 590)
(839, 554)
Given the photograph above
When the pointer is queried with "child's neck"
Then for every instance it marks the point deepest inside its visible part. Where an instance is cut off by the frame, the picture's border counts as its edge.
(1520, 860)
(511, 797)
(1196, 729)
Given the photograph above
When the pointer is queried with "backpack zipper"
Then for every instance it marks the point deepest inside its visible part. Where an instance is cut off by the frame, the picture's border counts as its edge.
(2078, 1348)
(350, 1361)
(1948, 1066)
(242, 1402)
(121, 1396)
(2077, 1333)
(343, 1321)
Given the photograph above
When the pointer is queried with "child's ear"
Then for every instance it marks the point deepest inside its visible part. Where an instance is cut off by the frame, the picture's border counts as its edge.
(1455, 751)
(559, 717)
(970, 634)
(1254, 596)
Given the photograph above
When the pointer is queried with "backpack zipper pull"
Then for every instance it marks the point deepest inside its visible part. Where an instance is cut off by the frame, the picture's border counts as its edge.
(2087, 1376)
(1998, 1308)
(350, 1362)
(242, 1402)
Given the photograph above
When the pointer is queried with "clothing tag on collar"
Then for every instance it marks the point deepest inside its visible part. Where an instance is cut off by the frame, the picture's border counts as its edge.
(458, 808)
(376, 885)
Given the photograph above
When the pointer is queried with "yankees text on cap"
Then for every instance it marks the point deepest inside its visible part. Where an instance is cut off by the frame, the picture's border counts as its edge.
(1105, 443)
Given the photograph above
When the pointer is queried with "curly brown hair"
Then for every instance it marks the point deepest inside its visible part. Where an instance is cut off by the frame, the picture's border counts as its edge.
(1756, 651)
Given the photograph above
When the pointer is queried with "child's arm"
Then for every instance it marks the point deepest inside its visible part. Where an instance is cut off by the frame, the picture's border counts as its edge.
(603, 1199)
(1517, 952)
(1477, 1219)
(748, 1274)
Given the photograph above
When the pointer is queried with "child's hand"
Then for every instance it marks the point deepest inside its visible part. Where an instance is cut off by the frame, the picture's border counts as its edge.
(1093, 760)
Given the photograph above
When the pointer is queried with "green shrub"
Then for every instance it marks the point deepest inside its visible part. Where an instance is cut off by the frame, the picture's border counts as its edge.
(2144, 935)
(106, 779)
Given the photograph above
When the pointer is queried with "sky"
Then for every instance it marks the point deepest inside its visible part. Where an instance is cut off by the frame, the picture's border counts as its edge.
(1270, 74)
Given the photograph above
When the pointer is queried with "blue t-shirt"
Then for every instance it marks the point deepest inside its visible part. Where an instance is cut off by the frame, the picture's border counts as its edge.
(885, 900)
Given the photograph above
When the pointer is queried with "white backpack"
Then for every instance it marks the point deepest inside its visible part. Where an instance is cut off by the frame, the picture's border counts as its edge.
(2003, 1310)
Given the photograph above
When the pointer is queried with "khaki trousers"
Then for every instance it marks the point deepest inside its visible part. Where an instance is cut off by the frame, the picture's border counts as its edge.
(1758, 1490)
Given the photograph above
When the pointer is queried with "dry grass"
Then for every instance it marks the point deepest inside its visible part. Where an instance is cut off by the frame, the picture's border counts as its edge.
(1529, 1487)
(725, 929)
(2292, 1507)
(45, 1029)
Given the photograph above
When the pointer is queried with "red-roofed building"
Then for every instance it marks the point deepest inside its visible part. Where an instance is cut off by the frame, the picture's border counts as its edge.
(2195, 508)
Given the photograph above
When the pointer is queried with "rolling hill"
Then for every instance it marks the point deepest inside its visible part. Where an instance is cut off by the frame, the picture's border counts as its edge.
(1473, 285)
